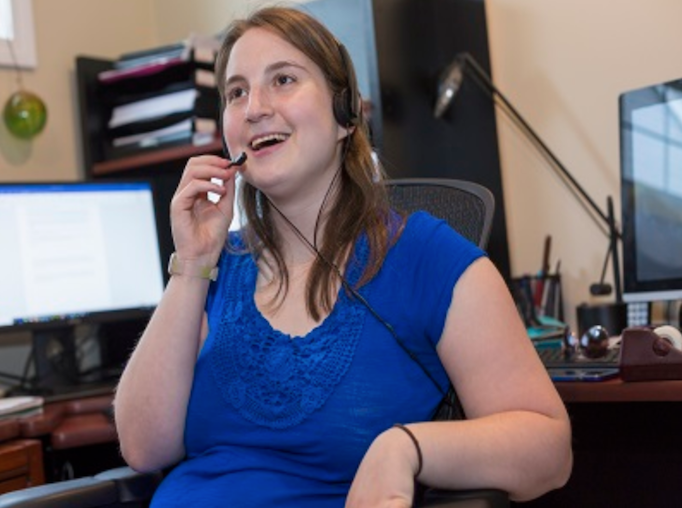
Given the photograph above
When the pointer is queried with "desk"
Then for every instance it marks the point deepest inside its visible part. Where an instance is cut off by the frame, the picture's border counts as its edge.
(21, 460)
(78, 438)
(617, 390)
(627, 443)
(73, 423)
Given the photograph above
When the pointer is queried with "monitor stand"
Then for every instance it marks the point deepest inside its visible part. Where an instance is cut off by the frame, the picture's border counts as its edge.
(54, 358)
(55, 363)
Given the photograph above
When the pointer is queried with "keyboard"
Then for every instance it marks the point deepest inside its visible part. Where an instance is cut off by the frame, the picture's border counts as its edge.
(556, 358)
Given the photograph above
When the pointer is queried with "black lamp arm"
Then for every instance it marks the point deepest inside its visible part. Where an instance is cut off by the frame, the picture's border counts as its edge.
(484, 80)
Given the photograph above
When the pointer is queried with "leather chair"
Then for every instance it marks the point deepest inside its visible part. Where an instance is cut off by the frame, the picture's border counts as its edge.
(466, 206)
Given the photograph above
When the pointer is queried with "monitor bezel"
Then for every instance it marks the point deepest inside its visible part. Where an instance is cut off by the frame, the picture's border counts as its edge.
(634, 289)
(94, 317)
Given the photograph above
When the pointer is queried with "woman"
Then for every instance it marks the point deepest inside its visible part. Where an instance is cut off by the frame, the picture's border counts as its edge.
(279, 383)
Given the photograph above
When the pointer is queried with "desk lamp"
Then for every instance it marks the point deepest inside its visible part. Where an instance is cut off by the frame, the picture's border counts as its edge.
(448, 86)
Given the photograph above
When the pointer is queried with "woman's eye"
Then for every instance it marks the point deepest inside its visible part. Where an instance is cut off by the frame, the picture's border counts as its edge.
(284, 79)
(235, 93)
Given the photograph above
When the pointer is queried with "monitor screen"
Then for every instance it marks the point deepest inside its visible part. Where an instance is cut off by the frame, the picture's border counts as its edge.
(72, 252)
(651, 185)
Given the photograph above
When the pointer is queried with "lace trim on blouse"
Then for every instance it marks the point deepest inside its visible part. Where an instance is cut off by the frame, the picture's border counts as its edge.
(270, 378)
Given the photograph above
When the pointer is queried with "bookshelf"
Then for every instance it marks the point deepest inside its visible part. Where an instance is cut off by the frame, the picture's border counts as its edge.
(96, 102)
(161, 164)
(154, 158)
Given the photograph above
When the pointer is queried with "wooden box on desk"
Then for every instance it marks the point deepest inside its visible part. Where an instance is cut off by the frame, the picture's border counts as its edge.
(648, 356)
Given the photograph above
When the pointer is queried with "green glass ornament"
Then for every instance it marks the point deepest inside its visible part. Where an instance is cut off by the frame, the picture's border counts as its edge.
(25, 114)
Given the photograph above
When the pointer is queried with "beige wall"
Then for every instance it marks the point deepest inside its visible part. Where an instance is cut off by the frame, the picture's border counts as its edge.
(561, 63)
(65, 29)
(176, 18)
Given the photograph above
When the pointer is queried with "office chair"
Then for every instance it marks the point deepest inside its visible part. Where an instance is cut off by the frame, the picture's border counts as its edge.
(467, 207)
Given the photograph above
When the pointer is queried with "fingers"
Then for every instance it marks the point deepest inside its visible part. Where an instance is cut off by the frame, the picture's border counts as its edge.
(202, 175)
(199, 223)
(204, 168)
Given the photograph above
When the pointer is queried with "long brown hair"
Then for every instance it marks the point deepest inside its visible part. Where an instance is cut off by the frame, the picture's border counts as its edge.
(360, 203)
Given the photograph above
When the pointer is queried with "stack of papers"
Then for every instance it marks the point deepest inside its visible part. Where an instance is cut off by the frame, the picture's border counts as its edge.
(20, 407)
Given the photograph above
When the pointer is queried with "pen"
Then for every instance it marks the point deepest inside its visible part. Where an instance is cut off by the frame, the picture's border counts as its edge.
(544, 272)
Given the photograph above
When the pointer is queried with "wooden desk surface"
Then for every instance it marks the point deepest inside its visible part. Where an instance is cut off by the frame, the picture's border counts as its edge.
(617, 390)
(55, 413)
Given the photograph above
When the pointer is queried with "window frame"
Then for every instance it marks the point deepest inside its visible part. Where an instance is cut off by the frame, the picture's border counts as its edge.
(23, 42)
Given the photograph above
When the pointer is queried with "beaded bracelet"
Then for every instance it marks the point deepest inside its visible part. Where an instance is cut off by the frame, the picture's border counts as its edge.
(420, 460)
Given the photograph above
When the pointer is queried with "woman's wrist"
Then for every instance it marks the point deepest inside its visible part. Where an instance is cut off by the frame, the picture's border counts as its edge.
(418, 459)
(193, 268)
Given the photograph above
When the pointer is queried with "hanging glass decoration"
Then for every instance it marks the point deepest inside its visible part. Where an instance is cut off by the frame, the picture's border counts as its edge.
(24, 114)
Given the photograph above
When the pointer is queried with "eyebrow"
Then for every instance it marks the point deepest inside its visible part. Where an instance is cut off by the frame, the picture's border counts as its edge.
(273, 67)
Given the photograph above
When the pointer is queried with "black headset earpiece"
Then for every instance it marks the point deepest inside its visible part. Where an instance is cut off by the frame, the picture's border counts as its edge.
(347, 104)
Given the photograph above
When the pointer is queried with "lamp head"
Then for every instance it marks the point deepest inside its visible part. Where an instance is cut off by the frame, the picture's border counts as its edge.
(448, 85)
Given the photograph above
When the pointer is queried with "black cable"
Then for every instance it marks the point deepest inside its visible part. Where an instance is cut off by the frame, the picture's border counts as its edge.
(356, 294)
(448, 407)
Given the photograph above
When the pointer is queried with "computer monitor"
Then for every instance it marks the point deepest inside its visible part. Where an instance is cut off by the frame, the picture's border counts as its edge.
(77, 252)
(651, 186)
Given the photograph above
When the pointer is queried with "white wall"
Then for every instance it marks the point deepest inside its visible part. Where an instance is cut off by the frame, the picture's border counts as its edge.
(178, 17)
(65, 29)
(563, 65)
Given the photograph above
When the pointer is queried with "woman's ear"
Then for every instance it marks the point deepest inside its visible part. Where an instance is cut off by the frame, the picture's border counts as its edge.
(344, 131)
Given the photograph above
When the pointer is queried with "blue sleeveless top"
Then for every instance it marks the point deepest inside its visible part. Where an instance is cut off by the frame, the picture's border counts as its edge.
(275, 420)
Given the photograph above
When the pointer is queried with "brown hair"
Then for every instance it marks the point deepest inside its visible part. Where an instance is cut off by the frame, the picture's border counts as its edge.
(360, 203)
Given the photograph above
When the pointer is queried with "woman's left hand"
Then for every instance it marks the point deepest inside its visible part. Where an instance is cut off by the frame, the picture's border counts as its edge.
(385, 478)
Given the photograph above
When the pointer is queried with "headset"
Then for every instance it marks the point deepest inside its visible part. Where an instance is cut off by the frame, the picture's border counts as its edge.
(347, 104)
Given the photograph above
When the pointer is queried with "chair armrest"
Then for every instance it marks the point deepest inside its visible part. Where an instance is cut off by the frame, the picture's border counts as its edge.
(86, 492)
(133, 487)
(474, 498)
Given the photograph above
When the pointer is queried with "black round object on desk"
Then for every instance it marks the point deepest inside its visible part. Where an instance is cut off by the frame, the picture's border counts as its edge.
(612, 316)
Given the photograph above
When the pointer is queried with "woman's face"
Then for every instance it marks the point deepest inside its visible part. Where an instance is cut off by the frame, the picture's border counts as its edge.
(279, 111)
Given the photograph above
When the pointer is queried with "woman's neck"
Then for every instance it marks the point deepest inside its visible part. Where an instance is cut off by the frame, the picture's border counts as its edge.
(301, 225)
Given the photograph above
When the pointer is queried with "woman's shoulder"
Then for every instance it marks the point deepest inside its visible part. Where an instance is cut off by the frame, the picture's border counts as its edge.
(421, 226)
(426, 238)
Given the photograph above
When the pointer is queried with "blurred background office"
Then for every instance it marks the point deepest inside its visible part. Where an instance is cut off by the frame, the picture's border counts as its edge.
(562, 64)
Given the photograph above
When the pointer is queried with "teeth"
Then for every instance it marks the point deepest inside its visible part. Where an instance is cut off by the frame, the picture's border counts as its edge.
(259, 142)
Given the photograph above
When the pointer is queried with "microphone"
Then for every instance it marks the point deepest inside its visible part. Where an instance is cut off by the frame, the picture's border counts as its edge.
(449, 85)
(238, 160)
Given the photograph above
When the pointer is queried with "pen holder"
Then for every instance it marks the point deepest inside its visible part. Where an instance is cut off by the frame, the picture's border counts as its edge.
(538, 296)
(646, 356)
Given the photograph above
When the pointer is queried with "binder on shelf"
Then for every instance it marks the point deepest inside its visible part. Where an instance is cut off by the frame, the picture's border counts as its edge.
(161, 111)
(182, 78)
(153, 55)
(203, 128)
(198, 49)
(150, 69)
(154, 107)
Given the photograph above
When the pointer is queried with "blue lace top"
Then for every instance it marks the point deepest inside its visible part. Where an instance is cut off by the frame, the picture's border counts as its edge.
(275, 420)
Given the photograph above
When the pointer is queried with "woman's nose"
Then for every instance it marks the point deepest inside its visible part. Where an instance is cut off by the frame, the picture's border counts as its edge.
(259, 104)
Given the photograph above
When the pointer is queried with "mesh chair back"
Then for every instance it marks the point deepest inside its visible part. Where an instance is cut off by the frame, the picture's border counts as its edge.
(466, 206)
